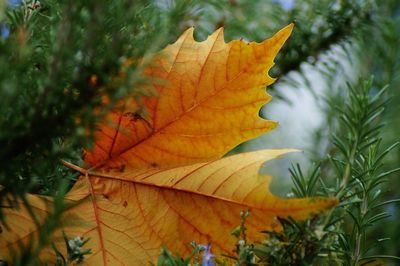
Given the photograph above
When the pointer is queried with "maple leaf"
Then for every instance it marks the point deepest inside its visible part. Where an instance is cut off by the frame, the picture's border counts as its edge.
(159, 180)
(207, 103)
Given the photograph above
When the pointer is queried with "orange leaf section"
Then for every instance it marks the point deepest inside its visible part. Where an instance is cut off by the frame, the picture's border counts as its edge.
(129, 215)
(209, 96)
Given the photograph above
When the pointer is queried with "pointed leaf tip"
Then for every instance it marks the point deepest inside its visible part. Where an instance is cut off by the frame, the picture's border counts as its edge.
(281, 36)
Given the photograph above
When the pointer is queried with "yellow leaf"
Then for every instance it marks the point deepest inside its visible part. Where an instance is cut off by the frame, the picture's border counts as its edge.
(207, 103)
(129, 215)
(157, 179)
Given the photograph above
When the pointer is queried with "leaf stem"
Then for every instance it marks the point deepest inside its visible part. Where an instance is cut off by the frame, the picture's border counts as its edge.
(74, 167)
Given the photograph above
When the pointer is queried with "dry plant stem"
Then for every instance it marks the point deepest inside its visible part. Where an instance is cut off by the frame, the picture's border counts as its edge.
(81, 170)
(74, 167)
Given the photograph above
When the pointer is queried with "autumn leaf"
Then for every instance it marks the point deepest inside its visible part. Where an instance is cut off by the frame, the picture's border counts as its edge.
(158, 179)
(209, 99)
(130, 215)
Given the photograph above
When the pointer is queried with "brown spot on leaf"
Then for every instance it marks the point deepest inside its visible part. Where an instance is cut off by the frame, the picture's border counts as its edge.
(134, 116)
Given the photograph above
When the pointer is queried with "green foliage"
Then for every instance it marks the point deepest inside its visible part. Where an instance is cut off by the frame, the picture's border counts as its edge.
(300, 243)
(358, 165)
(167, 259)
